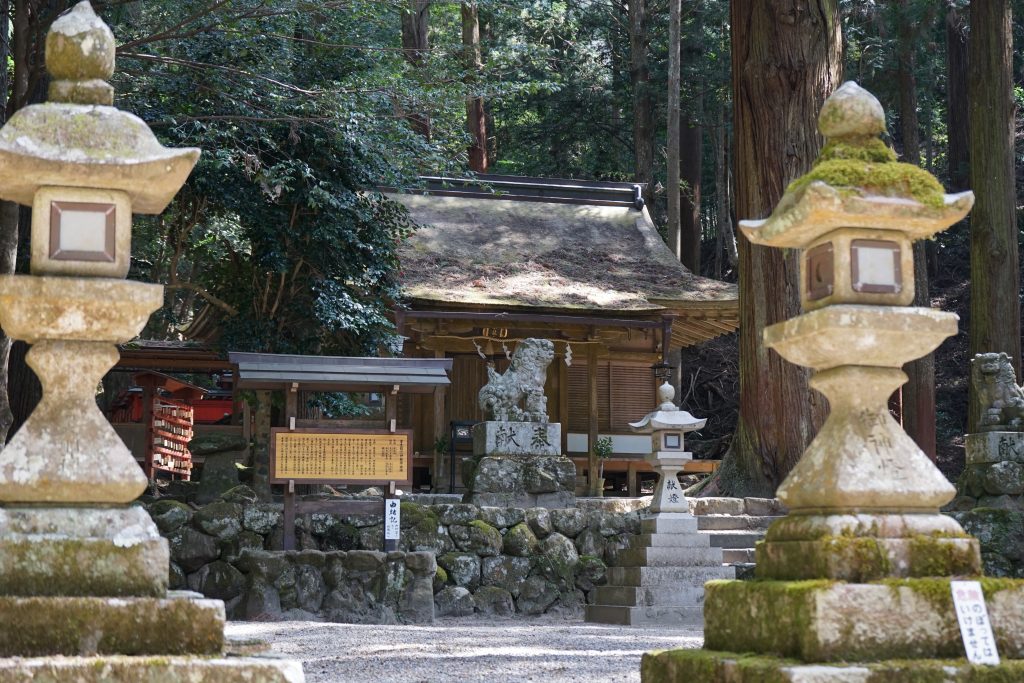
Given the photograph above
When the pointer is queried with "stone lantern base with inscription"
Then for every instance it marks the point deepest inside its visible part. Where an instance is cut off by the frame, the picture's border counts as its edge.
(855, 583)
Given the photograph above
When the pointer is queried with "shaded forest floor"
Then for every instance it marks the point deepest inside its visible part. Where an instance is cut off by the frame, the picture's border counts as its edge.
(710, 377)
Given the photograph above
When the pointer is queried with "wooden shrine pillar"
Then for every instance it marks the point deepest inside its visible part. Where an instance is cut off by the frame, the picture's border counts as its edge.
(592, 420)
(440, 429)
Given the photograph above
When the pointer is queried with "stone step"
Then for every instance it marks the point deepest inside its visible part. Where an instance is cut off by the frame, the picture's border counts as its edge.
(645, 616)
(649, 596)
(669, 524)
(693, 556)
(734, 539)
(734, 522)
(738, 555)
(693, 539)
(660, 576)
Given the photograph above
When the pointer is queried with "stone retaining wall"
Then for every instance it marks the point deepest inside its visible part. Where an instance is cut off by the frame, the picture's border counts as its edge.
(488, 560)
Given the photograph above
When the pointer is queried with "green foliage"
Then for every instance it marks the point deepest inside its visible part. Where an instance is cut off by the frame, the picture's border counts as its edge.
(281, 229)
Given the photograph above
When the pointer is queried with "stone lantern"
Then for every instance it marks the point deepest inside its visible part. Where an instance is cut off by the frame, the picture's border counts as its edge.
(667, 425)
(860, 570)
(82, 571)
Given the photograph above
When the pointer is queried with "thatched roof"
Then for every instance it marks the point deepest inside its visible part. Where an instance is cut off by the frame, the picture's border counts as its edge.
(546, 255)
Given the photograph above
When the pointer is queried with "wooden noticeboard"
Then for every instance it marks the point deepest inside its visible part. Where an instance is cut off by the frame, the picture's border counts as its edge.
(340, 456)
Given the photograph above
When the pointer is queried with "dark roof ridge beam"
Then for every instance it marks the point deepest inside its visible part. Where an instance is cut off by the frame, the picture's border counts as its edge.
(534, 317)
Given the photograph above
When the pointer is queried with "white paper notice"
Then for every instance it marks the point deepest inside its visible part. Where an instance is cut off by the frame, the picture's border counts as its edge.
(969, 602)
(392, 519)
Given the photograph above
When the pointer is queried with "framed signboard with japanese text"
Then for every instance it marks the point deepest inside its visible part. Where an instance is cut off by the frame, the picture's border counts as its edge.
(340, 456)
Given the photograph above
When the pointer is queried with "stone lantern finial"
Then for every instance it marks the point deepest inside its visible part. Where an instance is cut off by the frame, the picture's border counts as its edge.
(80, 51)
(851, 112)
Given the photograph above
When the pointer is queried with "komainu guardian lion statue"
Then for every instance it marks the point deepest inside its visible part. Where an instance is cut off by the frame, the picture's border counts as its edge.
(522, 383)
(1000, 399)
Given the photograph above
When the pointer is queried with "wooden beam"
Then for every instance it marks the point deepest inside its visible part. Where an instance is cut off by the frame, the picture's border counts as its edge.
(440, 429)
(592, 420)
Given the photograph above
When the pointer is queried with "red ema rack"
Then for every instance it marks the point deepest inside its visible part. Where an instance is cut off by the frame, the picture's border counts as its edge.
(170, 431)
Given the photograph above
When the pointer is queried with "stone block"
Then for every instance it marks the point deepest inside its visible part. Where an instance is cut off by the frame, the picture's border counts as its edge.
(990, 447)
(663, 576)
(454, 601)
(864, 558)
(458, 513)
(649, 596)
(80, 626)
(113, 551)
(717, 506)
(1004, 478)
(119, 669)
(645, 616)
(536, 595)
(669, 557)
(539, 520)
(517, 438)
(707, 666)
(668, 523)
(761, 507)
(519, 541)
(463, 569)
(502, 518)
(826, 621)
(555, 501)
(506, 572)
(494, 600)
(691, 540)
(569, 521)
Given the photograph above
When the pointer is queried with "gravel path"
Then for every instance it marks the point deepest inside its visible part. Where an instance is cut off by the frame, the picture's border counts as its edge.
(492, 650)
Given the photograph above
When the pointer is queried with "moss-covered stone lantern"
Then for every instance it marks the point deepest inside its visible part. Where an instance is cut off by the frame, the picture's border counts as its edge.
(860, 569)
(83, 572)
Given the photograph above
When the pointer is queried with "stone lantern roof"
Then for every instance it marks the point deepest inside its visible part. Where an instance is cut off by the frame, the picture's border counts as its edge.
(79, 139)
(668, 415)
(856, 182)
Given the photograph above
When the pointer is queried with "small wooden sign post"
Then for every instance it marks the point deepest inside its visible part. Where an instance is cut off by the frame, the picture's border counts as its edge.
(338, 457)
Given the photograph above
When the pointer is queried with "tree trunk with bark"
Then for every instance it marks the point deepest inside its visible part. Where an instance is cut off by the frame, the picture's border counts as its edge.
(692, 157)
(415, 48)
(674, 150)
(957, 116)
(643, 98)
(995, 271)
(476, 120)
(786, 59)
(725, 234)
(918, 395)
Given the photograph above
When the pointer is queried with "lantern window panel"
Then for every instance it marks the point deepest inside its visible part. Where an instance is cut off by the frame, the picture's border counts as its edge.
(875, 266)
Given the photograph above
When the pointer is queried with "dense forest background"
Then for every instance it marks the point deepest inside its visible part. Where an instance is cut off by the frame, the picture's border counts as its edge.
(304, 109)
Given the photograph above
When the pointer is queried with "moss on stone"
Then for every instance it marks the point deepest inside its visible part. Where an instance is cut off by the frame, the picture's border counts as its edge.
(708, 666)
(728, 606)
(934, 556)
(890, 179)
(865, 558)
(414, 513)
(871, 150)
(935, 591)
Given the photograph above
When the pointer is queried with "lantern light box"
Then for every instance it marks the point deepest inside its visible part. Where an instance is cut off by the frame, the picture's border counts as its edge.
(858, 266)
(79, 230)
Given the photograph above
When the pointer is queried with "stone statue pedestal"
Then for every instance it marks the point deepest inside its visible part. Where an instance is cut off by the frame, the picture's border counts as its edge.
(519, 464)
